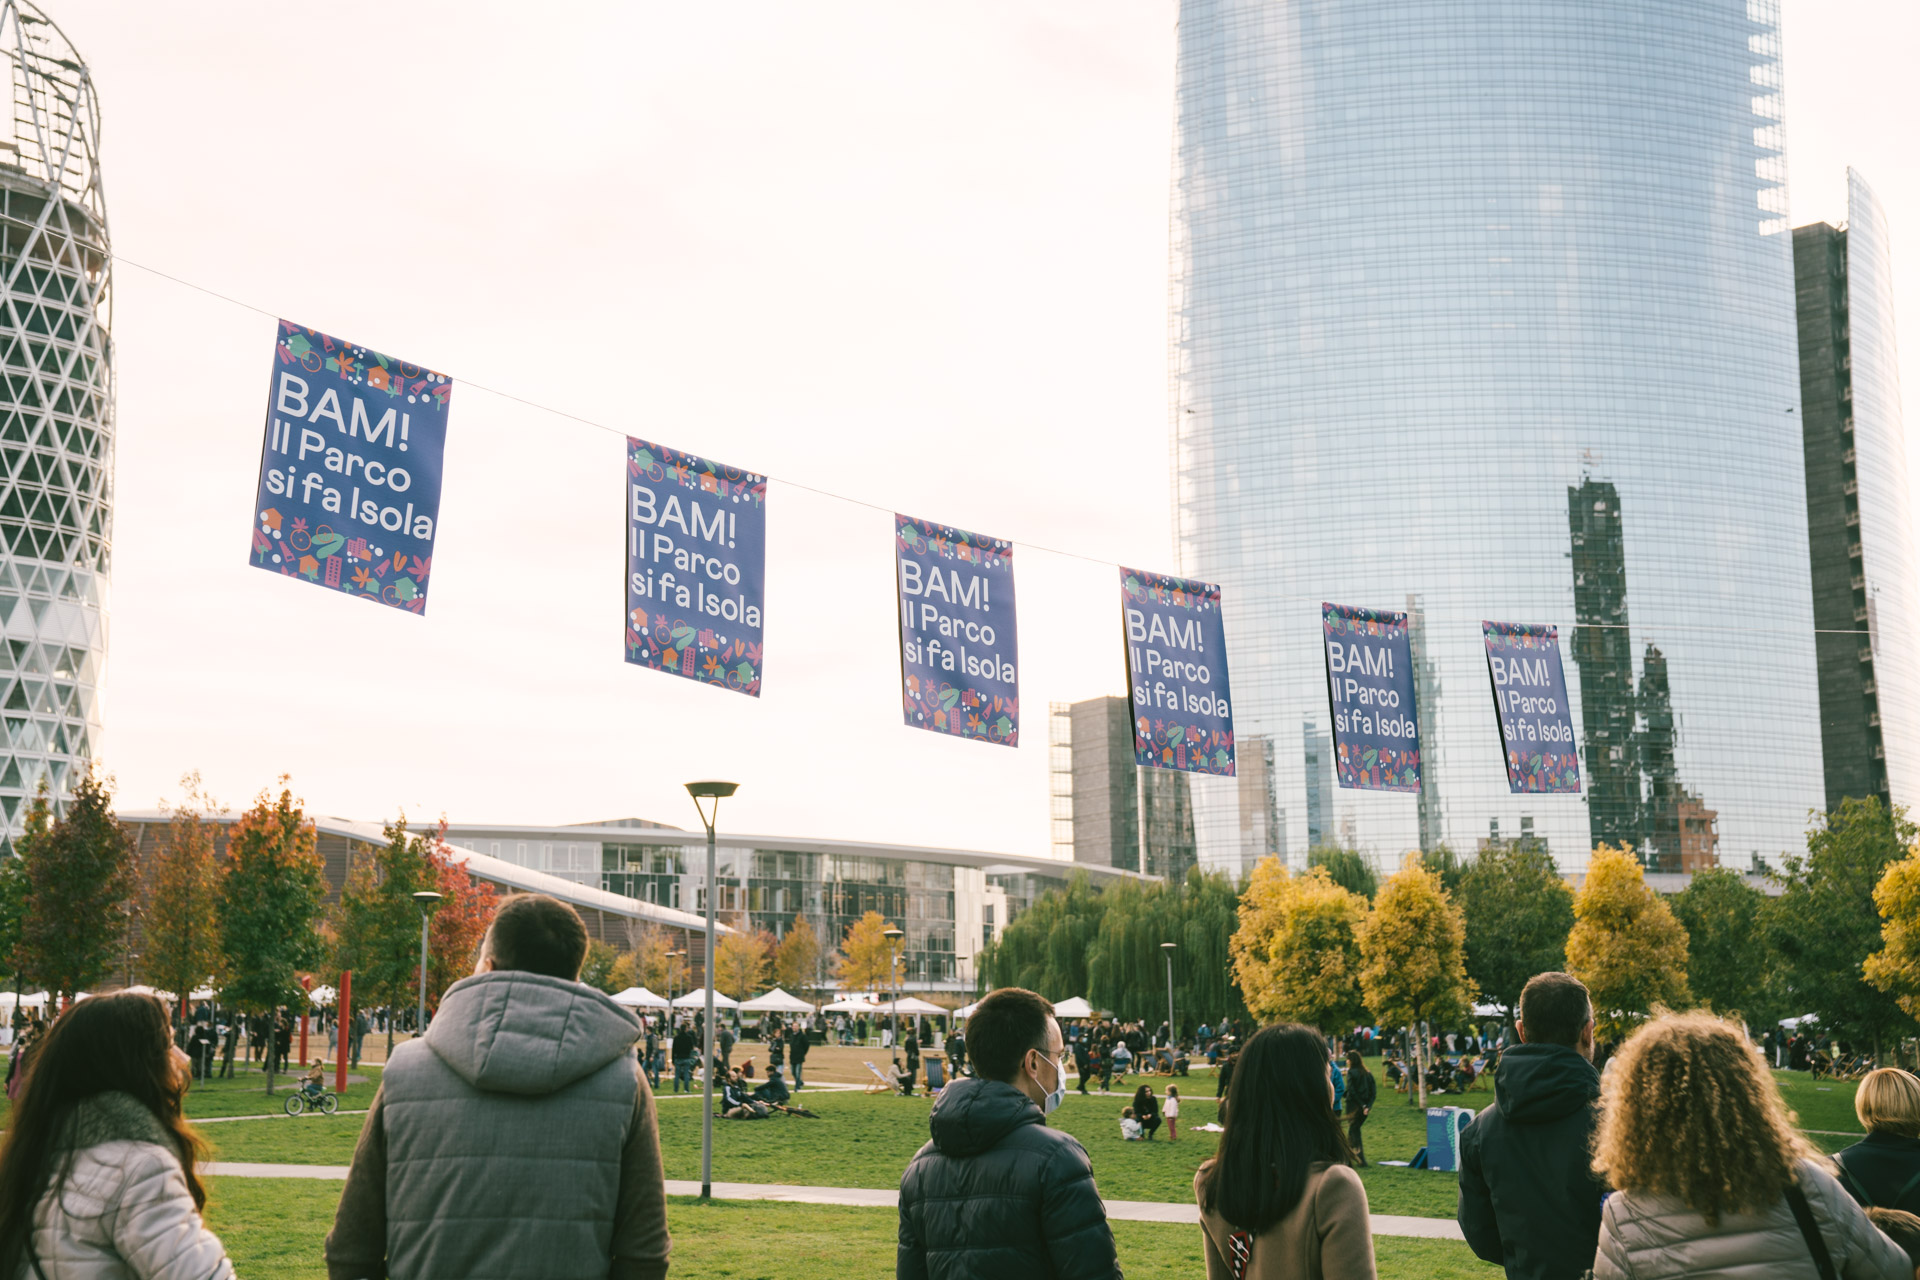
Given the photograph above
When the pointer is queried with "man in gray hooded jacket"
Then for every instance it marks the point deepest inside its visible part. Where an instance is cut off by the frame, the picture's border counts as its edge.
(516, 1139)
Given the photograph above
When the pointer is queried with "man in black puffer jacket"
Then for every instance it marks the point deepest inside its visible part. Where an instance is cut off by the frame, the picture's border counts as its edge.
(996, 1194)
(1529, 1199)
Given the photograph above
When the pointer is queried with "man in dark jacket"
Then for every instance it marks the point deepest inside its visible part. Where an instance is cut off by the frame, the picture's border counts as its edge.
(686, 1056)
(996, 1193)
(1529, 1199)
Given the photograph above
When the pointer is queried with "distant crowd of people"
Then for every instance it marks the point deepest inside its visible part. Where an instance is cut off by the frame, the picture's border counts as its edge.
(1679, 1160)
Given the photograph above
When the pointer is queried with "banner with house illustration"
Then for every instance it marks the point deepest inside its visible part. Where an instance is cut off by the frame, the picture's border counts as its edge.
(349, 489)
(959, 647)
(696, 567)
(1530, 700)
(1376, 731)
(1176, 673)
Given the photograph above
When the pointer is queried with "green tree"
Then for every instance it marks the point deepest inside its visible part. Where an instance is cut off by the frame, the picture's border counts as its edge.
(1625, 945)
(16, 885)
(1445, 863)
(1727, 953)
(182, 918)
(273, 892)
(1349, 869)
(596, 970)
(80, 884)
(376, 923)
(1045, 948)
(459, 922)
(1413, 956)
(1127, 967)
(1296, 954)
(1518, 912)
(1824, 925)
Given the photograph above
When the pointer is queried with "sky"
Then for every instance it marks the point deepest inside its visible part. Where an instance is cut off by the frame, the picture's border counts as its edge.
(912, 255)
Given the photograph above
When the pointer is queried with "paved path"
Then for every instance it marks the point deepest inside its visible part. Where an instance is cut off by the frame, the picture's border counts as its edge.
(870, 1198)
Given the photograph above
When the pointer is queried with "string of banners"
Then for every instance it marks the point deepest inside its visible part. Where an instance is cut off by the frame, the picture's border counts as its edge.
(349, 499)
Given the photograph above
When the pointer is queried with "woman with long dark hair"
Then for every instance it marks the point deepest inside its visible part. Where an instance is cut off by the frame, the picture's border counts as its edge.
(1146, 1109)
(1281, 1199)
(96, 1177)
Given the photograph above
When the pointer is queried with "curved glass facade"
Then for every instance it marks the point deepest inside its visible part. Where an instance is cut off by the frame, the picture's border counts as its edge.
(56, 416)
(1485, 311)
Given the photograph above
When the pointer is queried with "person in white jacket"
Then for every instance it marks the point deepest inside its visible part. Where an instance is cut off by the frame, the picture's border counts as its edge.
(1710, 1177)
(96, 1177)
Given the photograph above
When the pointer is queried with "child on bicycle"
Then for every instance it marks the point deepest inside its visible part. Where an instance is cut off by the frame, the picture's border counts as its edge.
(310, 1084)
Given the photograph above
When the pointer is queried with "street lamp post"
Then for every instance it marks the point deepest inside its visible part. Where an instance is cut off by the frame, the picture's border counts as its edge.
(426, 901)
(714, 792)
(1166, 949)
(893, 934)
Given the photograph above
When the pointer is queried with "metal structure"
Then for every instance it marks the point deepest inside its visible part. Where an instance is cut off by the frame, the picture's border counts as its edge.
(56, 416)
(713, 793)
(426, 900)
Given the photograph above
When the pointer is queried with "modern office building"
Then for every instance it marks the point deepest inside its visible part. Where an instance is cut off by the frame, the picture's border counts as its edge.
(1866, 600)
(56, 416)
(1112, 812)
(950, 902)
(1444, 277)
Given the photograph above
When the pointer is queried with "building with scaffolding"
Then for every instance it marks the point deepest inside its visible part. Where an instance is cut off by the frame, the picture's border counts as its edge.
(56, 416)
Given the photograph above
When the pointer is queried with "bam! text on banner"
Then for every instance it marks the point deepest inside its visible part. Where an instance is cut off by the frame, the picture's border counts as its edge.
(1530, 699)
(1176, 673)
(959, 650)
(350, 469)
(696, 567)
(1376, 731)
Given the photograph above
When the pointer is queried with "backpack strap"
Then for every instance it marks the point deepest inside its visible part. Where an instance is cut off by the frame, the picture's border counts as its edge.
(1810, 1231)
(1858, 1191)
(1906, 1191)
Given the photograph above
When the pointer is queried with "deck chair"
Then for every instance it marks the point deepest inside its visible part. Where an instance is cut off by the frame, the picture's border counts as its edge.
(879, 1083)
(936, 1074)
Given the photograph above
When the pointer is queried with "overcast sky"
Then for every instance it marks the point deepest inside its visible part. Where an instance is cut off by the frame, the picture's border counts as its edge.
(913, 254)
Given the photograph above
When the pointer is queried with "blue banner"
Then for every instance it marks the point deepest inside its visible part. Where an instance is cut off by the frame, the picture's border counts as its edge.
(1177, 673)
(959, 649)
(696, 567)
(1376, 731)
(350, 469)
(1530, 698)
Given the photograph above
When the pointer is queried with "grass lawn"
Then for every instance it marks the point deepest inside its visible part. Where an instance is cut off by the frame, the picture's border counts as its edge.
(276, 1227)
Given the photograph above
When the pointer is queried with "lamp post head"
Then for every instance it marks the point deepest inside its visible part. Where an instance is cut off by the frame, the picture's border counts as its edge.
(893, 933)
(1168, 947)
(426, 900)
(716, 790)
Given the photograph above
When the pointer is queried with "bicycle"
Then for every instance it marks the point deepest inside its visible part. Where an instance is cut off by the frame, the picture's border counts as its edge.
(300, 1102)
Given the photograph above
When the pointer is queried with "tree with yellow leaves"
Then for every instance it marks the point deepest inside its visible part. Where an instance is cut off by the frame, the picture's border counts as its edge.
(1626, 944)
(741, 961)
(866, 961)
(1296, 954)
(796, 963)
(1413, 957)
(649, 964)
(1895, 968)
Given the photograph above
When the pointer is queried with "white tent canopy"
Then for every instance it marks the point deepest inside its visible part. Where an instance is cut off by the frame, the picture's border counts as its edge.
(911, 1005)
(966, 1011)
(1800, 1021)
(1073, 1008)
(323, 995)
(640, 998)
(850, 1004)
(776, 1001)
(698, 1000)
(30, 1000)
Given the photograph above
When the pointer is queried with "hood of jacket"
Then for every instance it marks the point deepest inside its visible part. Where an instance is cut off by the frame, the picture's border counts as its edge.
(113, 1117)
(524, 1033)
(972, 1116)
(1541, 1083)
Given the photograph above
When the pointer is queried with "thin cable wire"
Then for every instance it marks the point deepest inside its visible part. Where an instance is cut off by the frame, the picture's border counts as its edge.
(874, 506)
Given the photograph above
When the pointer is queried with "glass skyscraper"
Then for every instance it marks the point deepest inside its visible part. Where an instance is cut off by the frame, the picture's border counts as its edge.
(1485, 311)
(56, 416)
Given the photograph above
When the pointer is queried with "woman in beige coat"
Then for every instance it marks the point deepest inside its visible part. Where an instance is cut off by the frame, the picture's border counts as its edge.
(1711, 1178)
(96, 1178)
(1281, 1200)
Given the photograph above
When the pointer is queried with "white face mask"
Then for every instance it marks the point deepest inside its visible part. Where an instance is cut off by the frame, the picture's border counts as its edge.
(1059, 1093)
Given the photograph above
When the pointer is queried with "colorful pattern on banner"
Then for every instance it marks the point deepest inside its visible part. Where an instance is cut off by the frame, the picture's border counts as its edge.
(1376, 728)
(1177, 673)
(959, 649)
(696, 567)
(1530, 698)
(350, 469)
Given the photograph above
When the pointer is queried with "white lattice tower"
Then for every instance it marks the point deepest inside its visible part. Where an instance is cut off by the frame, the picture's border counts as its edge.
(56, 415)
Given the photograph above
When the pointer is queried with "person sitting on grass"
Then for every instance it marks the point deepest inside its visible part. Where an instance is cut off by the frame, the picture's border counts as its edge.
(775, 1088)
(1146, 1109)
(1129, 1127)
(1122, 1058)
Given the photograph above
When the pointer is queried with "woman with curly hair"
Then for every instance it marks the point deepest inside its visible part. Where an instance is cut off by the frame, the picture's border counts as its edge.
(96, 1178)
(1710, 1176)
